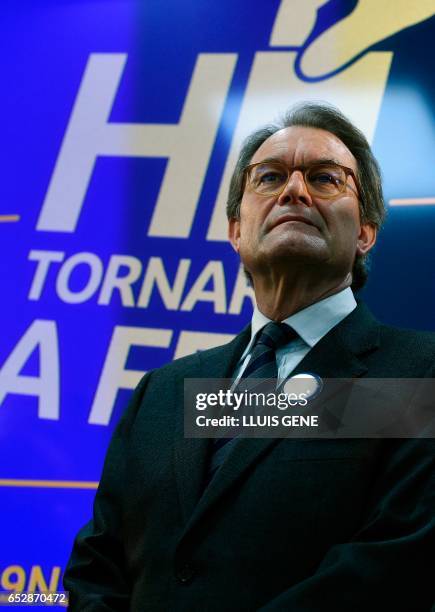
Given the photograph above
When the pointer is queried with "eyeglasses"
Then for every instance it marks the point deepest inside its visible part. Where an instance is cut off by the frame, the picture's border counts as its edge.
(323, 179)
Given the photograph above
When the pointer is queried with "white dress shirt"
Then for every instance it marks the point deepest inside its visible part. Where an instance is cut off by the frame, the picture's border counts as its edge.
(311, 324)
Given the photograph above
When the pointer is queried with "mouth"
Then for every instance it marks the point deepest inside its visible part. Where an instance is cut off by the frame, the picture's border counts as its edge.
(291, 218)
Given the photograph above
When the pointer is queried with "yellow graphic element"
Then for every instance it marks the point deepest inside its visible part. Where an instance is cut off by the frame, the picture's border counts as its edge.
(370, 22)
(19, 578)
(409, 201)
(294, 21)
(48, 484)
(37, 581)
(9, 218)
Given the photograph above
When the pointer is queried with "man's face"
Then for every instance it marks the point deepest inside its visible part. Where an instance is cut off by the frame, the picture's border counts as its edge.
(295, 227)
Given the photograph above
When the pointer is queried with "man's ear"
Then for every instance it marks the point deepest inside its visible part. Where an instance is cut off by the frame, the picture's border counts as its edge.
(234, 233)
(366, 239)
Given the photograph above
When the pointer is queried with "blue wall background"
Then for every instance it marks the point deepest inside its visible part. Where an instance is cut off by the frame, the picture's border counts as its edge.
(53, 352)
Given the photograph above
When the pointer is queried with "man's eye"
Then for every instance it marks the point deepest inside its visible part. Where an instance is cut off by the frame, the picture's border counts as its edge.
(327, 177)
(324, 178)
(270, 178)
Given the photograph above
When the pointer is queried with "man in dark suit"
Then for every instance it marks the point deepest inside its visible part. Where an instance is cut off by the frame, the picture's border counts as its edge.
(301, 525)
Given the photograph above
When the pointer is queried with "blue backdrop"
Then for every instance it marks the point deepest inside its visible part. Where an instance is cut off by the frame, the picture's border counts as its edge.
(121, 122)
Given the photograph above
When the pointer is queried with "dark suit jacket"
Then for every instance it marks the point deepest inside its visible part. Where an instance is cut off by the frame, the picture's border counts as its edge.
(300, 525)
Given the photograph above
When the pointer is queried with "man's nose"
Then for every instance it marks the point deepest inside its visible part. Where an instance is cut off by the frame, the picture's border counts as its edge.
(295, 191)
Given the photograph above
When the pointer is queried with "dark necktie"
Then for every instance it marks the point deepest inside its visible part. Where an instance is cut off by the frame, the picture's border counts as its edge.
(262, 364)
(263, 359)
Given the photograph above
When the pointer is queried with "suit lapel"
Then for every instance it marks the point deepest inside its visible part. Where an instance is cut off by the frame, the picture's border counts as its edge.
(337, 355)
(191, 454)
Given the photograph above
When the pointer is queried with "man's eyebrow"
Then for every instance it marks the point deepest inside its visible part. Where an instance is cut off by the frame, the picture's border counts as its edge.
(266, 160)
(317, 160)
(325, 160)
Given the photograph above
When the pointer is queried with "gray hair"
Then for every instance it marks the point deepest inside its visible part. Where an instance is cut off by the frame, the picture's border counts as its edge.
(329, 118)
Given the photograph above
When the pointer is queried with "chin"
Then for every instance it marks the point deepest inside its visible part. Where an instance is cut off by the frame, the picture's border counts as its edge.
(298, 248)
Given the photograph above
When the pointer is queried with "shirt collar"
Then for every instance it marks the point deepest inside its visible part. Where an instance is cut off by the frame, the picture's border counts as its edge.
(314, 321)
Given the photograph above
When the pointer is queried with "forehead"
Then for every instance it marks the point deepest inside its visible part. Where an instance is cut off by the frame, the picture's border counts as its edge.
(298, 145)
